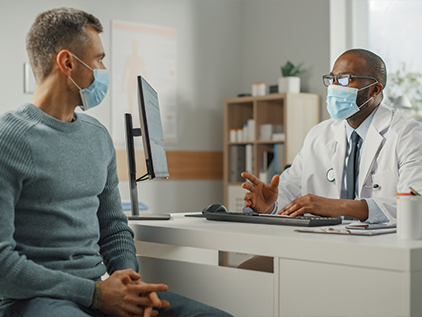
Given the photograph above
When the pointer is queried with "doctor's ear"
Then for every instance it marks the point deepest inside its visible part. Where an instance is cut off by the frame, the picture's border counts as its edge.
(377, 89)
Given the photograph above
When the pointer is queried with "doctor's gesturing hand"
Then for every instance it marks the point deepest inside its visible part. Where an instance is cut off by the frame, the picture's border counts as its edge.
(261, 197)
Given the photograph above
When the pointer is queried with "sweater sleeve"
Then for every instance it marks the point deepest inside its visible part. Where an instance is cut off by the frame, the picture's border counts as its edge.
(116, 238)
(20, 277)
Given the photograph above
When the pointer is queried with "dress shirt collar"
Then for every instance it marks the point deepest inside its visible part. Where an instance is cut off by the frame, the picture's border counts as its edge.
(362, 130)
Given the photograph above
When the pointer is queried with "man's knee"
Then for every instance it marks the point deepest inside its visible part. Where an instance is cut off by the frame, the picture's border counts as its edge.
(183, 306)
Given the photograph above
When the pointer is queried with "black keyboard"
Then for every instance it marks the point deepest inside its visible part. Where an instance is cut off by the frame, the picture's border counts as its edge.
(270, 219)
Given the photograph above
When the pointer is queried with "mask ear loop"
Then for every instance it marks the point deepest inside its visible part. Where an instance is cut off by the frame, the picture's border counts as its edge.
(79, 90)
(74, 83)
(83, 64)
(369, 98)
(368, 86)
(364, 103)
(81, 61)
(359, 107)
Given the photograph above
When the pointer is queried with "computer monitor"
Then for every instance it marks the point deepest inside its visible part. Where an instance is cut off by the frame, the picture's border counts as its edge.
(151, 131)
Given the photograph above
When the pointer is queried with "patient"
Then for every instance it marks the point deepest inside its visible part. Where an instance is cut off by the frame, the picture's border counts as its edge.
(62, 226)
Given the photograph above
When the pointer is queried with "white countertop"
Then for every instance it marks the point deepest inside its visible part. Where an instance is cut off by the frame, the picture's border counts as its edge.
(381, 252)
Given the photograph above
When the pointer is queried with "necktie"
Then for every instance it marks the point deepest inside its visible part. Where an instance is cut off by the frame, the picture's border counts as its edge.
(352, 167)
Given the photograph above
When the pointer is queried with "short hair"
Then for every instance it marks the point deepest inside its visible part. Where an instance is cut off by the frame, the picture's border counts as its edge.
(54, 30)
(375, 66)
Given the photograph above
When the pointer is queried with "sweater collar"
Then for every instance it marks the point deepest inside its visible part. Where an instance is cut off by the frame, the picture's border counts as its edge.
(38, 115)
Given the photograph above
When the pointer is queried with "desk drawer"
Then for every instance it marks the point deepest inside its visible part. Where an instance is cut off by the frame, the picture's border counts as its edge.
(239, 292)
(324, 289)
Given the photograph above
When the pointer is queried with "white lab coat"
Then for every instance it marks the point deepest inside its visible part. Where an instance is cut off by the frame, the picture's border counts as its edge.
(391, 157)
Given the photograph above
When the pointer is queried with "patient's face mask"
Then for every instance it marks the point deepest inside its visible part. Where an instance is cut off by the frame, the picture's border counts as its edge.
(95, 93)
(341, 101)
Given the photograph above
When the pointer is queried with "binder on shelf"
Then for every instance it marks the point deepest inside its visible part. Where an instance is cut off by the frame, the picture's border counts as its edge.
(249, 158)
(279, 161)
(271, 171)
(268, 166)
(237, 162)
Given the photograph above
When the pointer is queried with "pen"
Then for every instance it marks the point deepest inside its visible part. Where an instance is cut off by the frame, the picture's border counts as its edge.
(414, 192)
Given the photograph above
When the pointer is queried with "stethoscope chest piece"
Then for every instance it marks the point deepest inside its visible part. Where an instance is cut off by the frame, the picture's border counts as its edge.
(374, 186)
(330, 175)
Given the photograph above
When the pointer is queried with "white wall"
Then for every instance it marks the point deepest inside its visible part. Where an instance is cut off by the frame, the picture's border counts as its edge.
(275, 31)
(223, 46)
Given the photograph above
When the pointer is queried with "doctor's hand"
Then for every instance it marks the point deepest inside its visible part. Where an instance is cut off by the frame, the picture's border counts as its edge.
(326, 207)
(261, 197)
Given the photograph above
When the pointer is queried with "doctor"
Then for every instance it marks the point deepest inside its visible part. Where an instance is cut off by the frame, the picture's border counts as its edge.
(353, 164)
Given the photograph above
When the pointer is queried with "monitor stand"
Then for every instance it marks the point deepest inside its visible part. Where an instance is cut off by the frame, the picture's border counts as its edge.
(130, 134)
(136, 215)
(150, 216)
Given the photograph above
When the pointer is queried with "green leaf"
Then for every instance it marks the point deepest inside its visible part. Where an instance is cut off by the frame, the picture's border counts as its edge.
(289, 70)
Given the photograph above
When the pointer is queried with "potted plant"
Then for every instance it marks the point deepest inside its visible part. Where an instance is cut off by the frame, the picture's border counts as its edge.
(290, 82)
(404, 91)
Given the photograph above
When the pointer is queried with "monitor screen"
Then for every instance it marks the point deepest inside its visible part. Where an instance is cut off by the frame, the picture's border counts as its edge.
(152, 131)
(153, 142)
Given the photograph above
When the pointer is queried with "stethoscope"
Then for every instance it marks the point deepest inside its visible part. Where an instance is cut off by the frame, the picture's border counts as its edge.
(373, 186)
(330, 173)
(330, 177)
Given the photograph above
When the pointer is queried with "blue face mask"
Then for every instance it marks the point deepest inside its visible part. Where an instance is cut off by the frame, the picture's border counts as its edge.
(95, 93)
(341, 101)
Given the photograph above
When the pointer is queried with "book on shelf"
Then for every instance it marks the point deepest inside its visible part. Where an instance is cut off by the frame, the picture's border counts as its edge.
(249, 158)
(237, 163)
(279, 158)
(268, 166)
(272, 163)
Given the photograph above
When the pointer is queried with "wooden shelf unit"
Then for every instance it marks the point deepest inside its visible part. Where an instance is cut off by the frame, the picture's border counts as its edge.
(298, 113)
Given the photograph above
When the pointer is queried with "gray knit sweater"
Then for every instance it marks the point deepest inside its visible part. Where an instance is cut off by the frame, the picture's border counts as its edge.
(61, 219)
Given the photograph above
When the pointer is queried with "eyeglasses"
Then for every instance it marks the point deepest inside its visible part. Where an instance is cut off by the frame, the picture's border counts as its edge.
(341, 79)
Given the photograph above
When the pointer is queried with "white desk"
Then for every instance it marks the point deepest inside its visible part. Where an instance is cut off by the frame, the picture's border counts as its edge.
(314, 274)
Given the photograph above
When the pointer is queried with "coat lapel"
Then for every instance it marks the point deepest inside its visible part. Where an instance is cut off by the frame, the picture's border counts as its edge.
(373, 143)
(337, 160)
